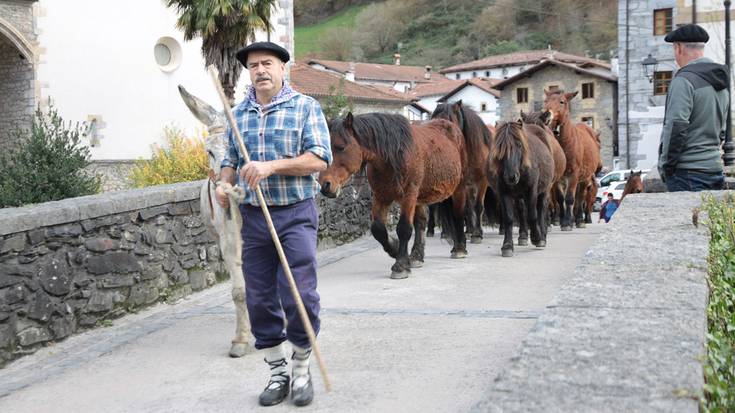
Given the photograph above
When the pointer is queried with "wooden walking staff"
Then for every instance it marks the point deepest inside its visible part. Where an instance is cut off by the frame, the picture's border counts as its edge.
(284, 263)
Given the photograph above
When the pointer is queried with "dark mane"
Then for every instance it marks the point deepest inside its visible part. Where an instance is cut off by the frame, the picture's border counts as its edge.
(506, 138)
(537, 118)
(473, 128)
(387, 135)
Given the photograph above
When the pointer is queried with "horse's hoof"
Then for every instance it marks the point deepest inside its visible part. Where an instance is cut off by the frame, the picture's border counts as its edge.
(581, 225)
(523, 242)
(566, 228)
(475, 240)
(506, 253)
(399, 275)
(417, 263)
(459, 254)
(240, 349)
(540, 244)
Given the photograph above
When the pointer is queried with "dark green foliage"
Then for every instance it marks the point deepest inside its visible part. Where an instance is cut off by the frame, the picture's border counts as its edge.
(719, 369)
(337, 104)
(46, 163)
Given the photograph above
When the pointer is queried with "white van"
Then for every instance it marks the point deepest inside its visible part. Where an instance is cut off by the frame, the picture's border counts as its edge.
(613, 177)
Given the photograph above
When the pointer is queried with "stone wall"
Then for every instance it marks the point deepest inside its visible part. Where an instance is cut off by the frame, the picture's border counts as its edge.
(70, 265)
(115, 174)
(601, 108)
(627, 332)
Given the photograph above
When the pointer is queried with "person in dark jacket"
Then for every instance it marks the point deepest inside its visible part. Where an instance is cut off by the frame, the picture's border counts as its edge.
(608, 208)
(696, 113)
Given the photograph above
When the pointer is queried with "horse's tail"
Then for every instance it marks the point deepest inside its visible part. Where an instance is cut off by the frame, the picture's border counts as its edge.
(446, 217)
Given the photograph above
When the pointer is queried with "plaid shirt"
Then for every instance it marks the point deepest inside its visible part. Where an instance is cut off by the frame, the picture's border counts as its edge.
(290, 125)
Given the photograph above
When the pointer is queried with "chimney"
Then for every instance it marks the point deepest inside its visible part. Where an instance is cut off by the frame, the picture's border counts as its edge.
(427, 73)
(397, 59)
(350, 73)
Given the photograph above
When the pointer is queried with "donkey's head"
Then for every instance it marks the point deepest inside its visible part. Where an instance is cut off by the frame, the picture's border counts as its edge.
(215, 121)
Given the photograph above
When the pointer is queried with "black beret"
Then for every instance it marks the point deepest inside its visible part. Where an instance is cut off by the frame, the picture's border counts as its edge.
(242, 54)
(691, 33)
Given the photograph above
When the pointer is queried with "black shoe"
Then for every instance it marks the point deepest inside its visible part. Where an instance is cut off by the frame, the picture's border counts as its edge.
(275, 391)
(303, 395)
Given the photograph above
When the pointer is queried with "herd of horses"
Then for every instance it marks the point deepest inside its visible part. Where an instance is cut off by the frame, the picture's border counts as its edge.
(531, 172)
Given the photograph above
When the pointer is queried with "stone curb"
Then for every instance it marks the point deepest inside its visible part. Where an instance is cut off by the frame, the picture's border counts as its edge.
(627, 332)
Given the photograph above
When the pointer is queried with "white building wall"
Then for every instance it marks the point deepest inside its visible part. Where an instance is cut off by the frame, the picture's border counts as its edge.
(473, 97)
(98, 60)
(494, 73)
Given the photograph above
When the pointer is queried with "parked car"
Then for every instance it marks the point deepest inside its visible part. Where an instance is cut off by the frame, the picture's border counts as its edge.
(610, 179)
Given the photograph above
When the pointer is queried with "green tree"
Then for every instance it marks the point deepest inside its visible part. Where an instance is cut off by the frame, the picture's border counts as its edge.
(336, 105)
(225, 26)
(46, 164)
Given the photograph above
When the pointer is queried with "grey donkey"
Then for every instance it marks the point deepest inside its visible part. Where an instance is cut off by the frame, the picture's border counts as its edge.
(224, 224)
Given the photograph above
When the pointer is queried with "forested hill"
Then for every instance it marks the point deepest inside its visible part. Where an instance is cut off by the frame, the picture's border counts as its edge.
(445, 32)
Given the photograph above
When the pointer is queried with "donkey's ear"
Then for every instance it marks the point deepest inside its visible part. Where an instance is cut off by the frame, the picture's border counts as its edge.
(348, 121)
(571, 95)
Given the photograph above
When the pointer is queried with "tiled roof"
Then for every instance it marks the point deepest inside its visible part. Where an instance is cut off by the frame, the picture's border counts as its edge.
(440, 87)
(375, 71)
(523, 58)
(318, 83)
(480, 83)
(605, 75)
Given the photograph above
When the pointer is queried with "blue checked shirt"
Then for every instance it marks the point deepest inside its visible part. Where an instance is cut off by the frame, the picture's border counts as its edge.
(291, 125)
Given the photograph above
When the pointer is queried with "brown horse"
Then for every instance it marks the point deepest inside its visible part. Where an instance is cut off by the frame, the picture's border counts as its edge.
(634, 185)
(582, 154)
(556, 198)
(477, 139)
(413, 165)
(523, 170)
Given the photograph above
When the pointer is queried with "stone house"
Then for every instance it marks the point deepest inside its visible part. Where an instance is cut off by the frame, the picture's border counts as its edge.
(506, 65)
(596, 103)
(642, 26)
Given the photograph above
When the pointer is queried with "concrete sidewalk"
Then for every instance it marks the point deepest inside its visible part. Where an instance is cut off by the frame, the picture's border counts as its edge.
(431, 343)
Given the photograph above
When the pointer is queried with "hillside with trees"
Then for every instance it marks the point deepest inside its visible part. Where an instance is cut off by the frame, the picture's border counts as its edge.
(442, 32)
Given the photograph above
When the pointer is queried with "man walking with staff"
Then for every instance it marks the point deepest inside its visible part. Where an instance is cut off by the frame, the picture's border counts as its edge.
(287, 139)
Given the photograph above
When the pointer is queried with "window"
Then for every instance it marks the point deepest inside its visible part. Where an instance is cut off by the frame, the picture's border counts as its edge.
(456, 76)
(522, 95)
(662, 21)
(167, 54)
(474, 74)
(589, 120)
(487, 73)
(588, 90)
(483, 107)
(661, 82)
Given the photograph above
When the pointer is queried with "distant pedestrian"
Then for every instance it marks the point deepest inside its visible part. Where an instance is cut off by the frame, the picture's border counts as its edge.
(696, 114)
(608, 208)
(287, 138)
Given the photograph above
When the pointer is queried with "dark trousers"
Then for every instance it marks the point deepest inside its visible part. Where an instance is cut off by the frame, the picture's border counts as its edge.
(267, 291)
(684, 180)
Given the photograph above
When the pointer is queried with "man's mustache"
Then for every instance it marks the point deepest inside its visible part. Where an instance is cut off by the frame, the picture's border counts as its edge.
(259, 78)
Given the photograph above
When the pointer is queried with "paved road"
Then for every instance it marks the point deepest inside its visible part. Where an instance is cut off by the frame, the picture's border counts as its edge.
(431, 343)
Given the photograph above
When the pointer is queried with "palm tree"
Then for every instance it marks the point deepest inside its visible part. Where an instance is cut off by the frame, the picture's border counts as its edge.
(225, 27)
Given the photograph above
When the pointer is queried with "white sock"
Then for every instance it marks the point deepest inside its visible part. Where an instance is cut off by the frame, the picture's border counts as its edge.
(301, 358)
(276, 359)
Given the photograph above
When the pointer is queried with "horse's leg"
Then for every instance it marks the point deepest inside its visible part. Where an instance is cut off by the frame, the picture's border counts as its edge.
(541, 207)
(579, 205)
(566, 222)
(402, 267)
(479, 204)
(419, 242)
(431, 222)
(522, 217)
(531, 199)
(506, 210)
(459, 201)
(558, 191)
(379, 216)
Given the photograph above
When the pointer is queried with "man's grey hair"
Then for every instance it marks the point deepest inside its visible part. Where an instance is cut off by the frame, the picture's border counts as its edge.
(693, 45)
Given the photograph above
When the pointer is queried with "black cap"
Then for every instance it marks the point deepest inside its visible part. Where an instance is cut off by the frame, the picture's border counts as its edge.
(691, 33)
(242, 54)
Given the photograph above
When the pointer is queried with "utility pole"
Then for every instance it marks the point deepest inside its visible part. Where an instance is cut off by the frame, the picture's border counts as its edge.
(694, 11)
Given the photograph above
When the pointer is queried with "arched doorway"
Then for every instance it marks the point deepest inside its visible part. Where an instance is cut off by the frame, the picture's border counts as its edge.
(17, 82)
